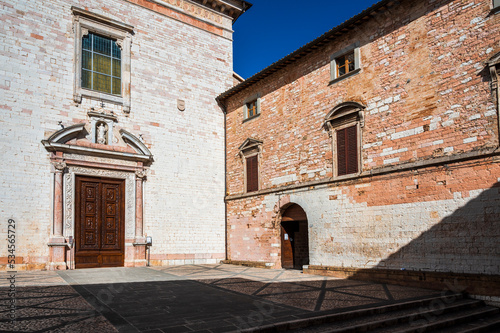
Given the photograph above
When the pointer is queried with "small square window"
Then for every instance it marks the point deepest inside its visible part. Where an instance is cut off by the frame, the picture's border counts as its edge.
(252, 109)
(496, 6)
(344, 63)
(251, 106)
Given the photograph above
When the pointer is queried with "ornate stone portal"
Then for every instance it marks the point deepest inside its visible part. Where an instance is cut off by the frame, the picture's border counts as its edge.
(91, 150)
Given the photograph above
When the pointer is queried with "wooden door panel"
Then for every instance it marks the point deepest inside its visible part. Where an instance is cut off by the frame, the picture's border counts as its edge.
(110, 228)
(99, 225)
(89, 234)
(111, 260)
(286, 248)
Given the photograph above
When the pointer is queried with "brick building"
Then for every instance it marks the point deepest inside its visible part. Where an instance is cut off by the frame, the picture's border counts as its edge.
(372, 151)
(110, 131)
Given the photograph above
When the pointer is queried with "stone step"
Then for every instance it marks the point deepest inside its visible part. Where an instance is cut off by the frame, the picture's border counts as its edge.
(330, 318)
(489, 324)
(452, 320)
(401, 319)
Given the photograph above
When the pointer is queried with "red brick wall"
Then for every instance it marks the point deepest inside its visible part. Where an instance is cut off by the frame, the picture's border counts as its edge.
(423, 80)
(426, 87)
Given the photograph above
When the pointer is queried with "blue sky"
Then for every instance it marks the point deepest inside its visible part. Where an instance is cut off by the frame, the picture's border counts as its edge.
(272, 29)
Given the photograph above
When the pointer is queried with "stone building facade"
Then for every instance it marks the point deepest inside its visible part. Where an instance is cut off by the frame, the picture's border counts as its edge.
(375, 147)
(110, 132)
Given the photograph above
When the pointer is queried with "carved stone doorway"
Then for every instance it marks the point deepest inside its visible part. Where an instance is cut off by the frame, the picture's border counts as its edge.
(99, 222)
(294, 238)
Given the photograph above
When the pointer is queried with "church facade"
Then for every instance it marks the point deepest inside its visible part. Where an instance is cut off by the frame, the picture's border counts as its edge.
(373, 151)
(110, 132)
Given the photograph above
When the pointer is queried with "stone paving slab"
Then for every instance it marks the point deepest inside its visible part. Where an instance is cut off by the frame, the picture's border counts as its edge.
(190, 298)
(44, 302)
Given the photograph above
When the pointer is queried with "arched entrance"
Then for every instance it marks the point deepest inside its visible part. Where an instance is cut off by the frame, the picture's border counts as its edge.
(294, 238)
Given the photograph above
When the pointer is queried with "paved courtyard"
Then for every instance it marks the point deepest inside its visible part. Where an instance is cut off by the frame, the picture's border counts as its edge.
(190, 298)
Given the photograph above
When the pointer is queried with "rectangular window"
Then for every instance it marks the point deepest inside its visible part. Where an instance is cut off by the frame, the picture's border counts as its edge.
(252, 173)
(102, 59)
(252, 109)
(347, 150)
(345, 63)
(251, 106)
(101, 64)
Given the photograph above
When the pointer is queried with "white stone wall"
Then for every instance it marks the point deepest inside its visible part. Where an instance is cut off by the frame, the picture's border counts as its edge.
(184, 207)
(457, 235)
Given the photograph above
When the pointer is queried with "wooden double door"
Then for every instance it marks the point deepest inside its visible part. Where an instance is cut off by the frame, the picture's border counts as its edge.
(99, 222)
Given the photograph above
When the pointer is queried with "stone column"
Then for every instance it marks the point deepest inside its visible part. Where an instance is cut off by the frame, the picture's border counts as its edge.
(58, 199)
(139, 229)
(57, 243)
(140, 240)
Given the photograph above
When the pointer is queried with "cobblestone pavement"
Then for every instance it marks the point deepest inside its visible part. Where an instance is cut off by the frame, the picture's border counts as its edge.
(190, 298)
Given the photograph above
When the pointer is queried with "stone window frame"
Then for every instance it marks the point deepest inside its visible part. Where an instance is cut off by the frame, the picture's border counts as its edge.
(348, 114)
(254, 98)
(250, 148)
(496, 6)
(85, 22)
(333, 62)
(494, 67)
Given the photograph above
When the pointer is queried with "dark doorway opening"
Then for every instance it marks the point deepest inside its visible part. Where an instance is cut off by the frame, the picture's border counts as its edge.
(99, 222)
(294, 238)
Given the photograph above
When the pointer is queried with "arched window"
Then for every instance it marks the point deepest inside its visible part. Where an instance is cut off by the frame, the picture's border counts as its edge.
(344, 124)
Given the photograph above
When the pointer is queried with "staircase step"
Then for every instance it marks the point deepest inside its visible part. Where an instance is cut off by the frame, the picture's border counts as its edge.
(443, 321)
(387, 322)
(488, 324)
(336, 318)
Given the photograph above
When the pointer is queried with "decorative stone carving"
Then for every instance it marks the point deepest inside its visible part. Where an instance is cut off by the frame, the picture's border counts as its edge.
(181, 105)
(59, 166)
(119, 42)
(141, 174)
(68, 203)
(101, 125)
(101, 133)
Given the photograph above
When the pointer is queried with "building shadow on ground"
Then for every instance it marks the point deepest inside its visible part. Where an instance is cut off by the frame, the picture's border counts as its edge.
(225, 304)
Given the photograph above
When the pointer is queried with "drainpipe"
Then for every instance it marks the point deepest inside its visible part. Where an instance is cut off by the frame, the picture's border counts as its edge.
(224, 110)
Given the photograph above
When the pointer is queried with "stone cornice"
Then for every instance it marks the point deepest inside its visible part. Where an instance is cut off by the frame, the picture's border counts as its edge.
(102, 19)
(72, 149)
(434, 162)
(312, 46)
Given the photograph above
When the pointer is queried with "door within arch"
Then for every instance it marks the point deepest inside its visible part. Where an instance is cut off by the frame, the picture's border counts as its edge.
(294, 238)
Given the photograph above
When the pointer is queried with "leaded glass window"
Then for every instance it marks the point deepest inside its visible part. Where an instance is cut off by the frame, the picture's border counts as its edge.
(101, 64)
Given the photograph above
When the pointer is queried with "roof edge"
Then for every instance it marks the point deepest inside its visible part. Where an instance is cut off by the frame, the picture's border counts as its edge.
(304, 50)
